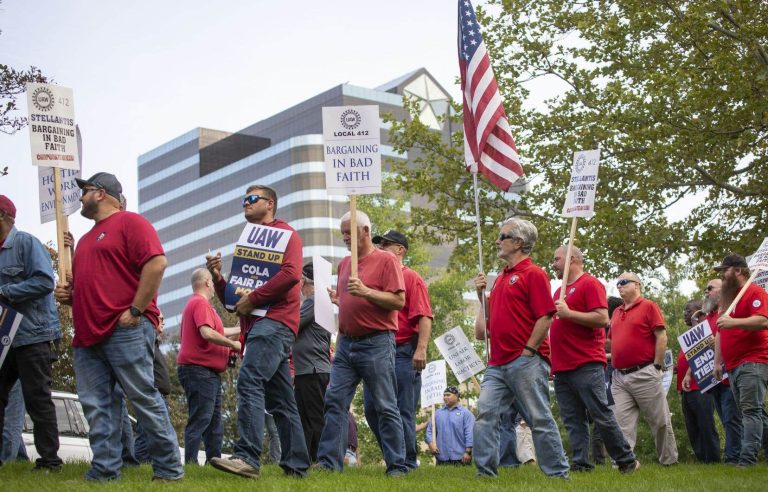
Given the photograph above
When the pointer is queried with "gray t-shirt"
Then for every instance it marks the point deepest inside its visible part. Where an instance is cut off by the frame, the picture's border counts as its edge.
(311, 350)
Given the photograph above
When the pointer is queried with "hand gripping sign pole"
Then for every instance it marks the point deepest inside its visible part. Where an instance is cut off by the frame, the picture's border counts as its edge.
(579, 200)
(757, 263)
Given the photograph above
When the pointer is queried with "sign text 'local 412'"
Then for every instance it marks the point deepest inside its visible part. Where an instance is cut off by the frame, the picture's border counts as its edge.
(258, 257)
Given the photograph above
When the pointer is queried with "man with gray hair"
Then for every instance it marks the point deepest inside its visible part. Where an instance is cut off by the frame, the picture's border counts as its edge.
(365, 349)
(638, 340)
(203, 355)
(520, 310)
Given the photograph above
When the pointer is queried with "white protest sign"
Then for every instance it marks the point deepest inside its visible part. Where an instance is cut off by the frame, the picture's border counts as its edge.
(759, 260)
(321, 269)
(434, 380)
(580, 198)
(52, 134)
(761, 280)
(460, 354)
(70, 192)
(352, 139)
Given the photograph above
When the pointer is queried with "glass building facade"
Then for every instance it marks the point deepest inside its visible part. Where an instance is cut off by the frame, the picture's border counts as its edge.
(191, 187)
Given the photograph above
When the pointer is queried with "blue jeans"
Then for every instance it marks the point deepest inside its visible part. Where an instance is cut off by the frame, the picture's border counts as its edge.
(126, 431)
(13, 445)
(371, 360)
(264, 382)
(408, 393)
(524, 384)
(580, 391)
(749, 382)
(698, 412)
(730, 416)
(202, 387)
(508, 439)
(125, 358)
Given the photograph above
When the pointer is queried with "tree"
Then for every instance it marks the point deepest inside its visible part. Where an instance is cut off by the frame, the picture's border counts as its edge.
(675, 94)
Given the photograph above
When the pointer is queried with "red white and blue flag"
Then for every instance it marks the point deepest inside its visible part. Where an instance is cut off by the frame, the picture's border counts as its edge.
(488, 143)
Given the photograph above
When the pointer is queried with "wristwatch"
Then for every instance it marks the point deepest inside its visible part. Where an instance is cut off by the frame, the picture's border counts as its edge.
(135, 312)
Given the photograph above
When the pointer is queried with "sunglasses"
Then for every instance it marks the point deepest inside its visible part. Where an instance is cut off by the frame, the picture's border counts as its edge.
(85, 191)
(710, 287)
(253, 199)
(504, 237)
(623, 282)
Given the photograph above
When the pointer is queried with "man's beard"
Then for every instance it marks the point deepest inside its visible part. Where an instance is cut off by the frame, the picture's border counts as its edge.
(729, 290)
(88, 209)
(710, 303)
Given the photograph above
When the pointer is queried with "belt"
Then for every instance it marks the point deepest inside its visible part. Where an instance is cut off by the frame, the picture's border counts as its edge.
(367, 335)
(630, 370)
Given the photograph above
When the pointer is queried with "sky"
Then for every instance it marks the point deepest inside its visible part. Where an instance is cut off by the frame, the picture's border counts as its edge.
(146, 72)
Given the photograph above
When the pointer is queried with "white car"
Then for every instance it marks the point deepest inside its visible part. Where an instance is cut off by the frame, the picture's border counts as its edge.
(73, 431)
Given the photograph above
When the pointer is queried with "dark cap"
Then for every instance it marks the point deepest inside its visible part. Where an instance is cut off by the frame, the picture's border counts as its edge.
(393, 237)
(732, 260)
(105, 181)
(7, 206)
(308, 271)
(453, 390)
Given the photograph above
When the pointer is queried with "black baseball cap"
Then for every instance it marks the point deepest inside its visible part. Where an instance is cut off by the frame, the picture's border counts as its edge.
(453, 390)
(308, 271)
(393, 237)
(732, 260)
(105, 181)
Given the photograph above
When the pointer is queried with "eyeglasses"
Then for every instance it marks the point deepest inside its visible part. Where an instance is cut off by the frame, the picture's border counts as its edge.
(504, 237)
(253, 199)
(85, 191)
(623, 282)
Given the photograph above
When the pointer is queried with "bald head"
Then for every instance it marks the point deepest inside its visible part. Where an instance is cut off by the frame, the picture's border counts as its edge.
(202, 282)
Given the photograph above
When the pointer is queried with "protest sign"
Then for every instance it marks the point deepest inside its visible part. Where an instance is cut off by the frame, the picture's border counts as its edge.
(258, 257)
(52, 132)
(70, 192)
(580, 198)
(9, 324)
(459, 353)
(351, 141)
(434, 380)
(324, 313)
(698, 345)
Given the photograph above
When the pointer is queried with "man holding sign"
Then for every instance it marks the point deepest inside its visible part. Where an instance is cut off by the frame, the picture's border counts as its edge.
(741, 344)
(264, 380)
(368, 306)
(578, 362)
(520, 313)
(26, 285)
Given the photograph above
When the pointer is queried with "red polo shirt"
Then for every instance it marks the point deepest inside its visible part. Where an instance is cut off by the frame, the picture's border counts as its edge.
(574, 345)
(519, 297)
(740, 346)
(194, 349)
(632, 334)
(416, 306)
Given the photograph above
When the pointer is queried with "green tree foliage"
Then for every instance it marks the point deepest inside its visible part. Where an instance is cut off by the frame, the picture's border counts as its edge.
(673, 93)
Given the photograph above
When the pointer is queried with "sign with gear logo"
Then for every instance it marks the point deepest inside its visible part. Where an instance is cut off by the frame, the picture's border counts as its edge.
(52, 132)
(9, 325)
(351, 147)
(459, 353)
(580, 197)
(434, 380)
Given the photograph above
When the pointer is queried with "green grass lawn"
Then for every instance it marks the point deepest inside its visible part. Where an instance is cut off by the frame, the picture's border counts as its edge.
(18, 477)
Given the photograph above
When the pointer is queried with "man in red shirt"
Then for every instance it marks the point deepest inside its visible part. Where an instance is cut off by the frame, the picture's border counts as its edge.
(365, 349)
(520, 312)
(414, 327)
(264, 380)
(116, 272)
(577, 338)
(638, 341)
(203, 355)
(741, 345)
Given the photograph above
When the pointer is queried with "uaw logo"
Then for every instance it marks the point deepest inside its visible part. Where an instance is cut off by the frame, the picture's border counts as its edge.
(432, 369)
(450, 339)
(513, 279)
(350, 119)
(580, 164)
(42, 98)
(6, 340)
(572, 290)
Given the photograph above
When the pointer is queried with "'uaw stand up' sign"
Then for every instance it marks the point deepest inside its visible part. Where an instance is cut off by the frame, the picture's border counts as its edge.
(258, 257)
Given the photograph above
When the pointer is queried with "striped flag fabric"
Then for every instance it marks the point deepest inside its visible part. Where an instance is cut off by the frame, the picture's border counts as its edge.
(488, 143)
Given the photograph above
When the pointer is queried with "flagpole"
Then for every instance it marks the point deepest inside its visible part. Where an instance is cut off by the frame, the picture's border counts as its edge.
(480, 262)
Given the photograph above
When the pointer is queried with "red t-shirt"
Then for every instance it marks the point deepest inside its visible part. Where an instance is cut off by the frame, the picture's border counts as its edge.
(194, 349)
(282, 293)
(416, 306)
(574, 345)
(682, 368)
(632, 334)
(740, 346)
(378, 270)
(519, 297)
(106, 270)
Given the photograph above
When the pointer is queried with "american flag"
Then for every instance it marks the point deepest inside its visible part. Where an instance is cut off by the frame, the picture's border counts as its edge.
(488, 143)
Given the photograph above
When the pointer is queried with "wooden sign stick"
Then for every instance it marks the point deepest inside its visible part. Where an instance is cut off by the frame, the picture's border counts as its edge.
(353, 233)
(567, 260)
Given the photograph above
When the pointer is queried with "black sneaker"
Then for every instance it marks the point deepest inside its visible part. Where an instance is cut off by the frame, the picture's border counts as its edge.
(47, 468)
(630, 468)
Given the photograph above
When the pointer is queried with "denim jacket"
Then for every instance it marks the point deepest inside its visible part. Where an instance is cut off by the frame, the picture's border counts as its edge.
(26, 284)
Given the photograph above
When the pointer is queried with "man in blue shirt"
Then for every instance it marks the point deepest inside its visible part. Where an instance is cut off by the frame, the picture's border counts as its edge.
(26, 285)
(453, 443)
